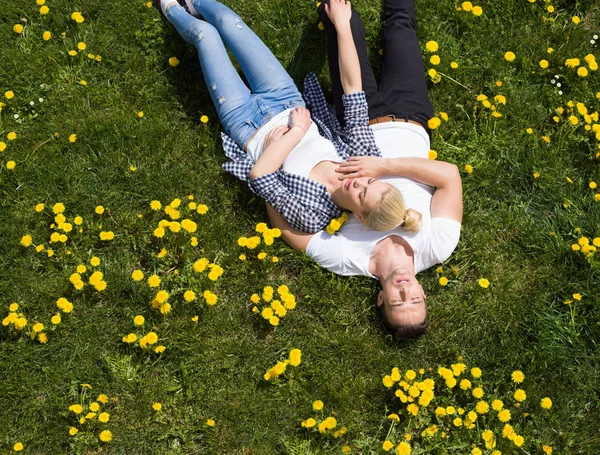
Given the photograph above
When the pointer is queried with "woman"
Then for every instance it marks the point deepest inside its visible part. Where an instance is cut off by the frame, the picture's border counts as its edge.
(271, 138)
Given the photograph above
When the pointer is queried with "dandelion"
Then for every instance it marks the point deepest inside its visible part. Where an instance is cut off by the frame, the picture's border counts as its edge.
(433, 123)
(467, 6)
(577, 296)
(435, 60)
(18, 28)
(484, 283)
(403, 448)
(106, 436)
(157, 406)
(210, 422)
(211, 298)
(72, 138)
(504, 415)
(468, 169)
(431, 46)
(582, 71)
(576, 19)
(10, 165)
(547, 449)
(18, 447)
(137, 275)
(9, 94)
(509, 56)
(477, 11)
(188, 296)
(387, 446)
(3, 144)
(73, 431)
(204, 119)
(154, 281)
(46, 35)
(44, 10)
(517, 376)
(77, 17)
(546, 403)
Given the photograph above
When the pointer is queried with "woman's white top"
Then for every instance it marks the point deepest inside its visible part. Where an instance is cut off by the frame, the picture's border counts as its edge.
(348, 252)
(310, 151)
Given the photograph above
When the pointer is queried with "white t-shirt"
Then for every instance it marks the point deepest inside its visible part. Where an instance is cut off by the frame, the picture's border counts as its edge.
(348, 252)
(310, 151)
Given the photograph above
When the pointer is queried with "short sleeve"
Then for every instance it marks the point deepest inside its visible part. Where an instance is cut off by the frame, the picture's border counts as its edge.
(326, 250)
(445, 234)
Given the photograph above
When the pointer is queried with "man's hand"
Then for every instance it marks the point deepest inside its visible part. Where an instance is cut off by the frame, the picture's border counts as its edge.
(362, 166)
(275, 134)
(300, 117)
(339, 12)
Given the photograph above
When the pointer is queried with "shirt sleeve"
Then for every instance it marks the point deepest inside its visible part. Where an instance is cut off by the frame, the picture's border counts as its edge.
(326, 250)
(357, 133)
(445, 234)
(300, 217)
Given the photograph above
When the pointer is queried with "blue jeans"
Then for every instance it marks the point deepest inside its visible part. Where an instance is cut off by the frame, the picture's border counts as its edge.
(241, 110)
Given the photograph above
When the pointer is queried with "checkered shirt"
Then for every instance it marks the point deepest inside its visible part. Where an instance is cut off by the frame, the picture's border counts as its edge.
(305, 203)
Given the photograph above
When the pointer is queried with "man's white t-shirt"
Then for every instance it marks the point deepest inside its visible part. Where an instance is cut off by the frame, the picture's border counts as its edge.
(348, 252)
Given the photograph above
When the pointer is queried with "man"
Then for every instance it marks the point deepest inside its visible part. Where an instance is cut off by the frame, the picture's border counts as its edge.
(398, 110)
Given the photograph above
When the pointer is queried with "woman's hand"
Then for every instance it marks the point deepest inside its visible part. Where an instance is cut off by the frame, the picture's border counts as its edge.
(301, 117)
(339, 12)
(362, 166)
(275, 134)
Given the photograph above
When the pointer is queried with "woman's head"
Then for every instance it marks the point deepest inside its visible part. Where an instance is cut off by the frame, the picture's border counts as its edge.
(377, 204)
(391, 212)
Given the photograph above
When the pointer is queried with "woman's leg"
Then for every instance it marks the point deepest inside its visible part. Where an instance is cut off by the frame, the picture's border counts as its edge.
(232, 99)
(374, 99)
(261, 68)
(403, 75)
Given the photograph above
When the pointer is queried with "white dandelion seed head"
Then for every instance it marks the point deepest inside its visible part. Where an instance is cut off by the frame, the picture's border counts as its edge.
(559, 85)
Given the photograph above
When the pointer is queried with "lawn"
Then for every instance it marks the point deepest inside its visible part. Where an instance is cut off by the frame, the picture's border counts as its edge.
(105, 118)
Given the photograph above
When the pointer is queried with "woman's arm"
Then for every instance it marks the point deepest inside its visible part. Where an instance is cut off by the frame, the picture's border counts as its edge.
(298, 240)
(447, 199)
(340, 13)
(278, 150)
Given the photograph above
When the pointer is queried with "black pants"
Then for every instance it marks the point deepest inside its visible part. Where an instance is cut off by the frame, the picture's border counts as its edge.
(403, 90)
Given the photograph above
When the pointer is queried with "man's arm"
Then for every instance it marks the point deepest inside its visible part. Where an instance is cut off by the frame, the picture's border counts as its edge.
(294, 238)
(447, 199)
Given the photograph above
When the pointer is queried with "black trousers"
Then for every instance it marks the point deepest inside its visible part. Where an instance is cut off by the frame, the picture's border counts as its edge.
(403, 90)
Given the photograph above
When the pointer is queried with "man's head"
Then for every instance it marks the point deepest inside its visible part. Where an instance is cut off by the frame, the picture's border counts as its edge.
(402, 304)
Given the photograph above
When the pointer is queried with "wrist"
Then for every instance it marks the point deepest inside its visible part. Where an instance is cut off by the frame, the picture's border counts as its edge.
(300, 127)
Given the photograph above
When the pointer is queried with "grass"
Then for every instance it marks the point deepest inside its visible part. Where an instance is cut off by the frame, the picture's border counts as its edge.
(517, 232)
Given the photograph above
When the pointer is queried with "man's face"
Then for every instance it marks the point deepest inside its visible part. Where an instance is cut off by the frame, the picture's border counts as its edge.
(402, 300)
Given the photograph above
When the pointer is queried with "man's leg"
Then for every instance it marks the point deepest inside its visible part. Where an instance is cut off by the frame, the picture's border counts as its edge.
(403, 83)
(374, 98)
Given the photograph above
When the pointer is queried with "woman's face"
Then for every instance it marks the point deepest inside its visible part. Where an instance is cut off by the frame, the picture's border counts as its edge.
(361, 194)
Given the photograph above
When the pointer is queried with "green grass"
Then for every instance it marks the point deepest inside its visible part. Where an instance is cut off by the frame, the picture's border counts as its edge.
(517, 232)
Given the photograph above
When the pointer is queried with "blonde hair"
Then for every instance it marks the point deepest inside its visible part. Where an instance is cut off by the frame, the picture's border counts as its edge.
(391, 212)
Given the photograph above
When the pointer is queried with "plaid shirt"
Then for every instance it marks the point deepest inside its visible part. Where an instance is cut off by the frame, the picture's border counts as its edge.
(305, 203)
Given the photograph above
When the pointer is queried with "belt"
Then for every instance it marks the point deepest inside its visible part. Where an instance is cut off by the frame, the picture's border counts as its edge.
(392, 118)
